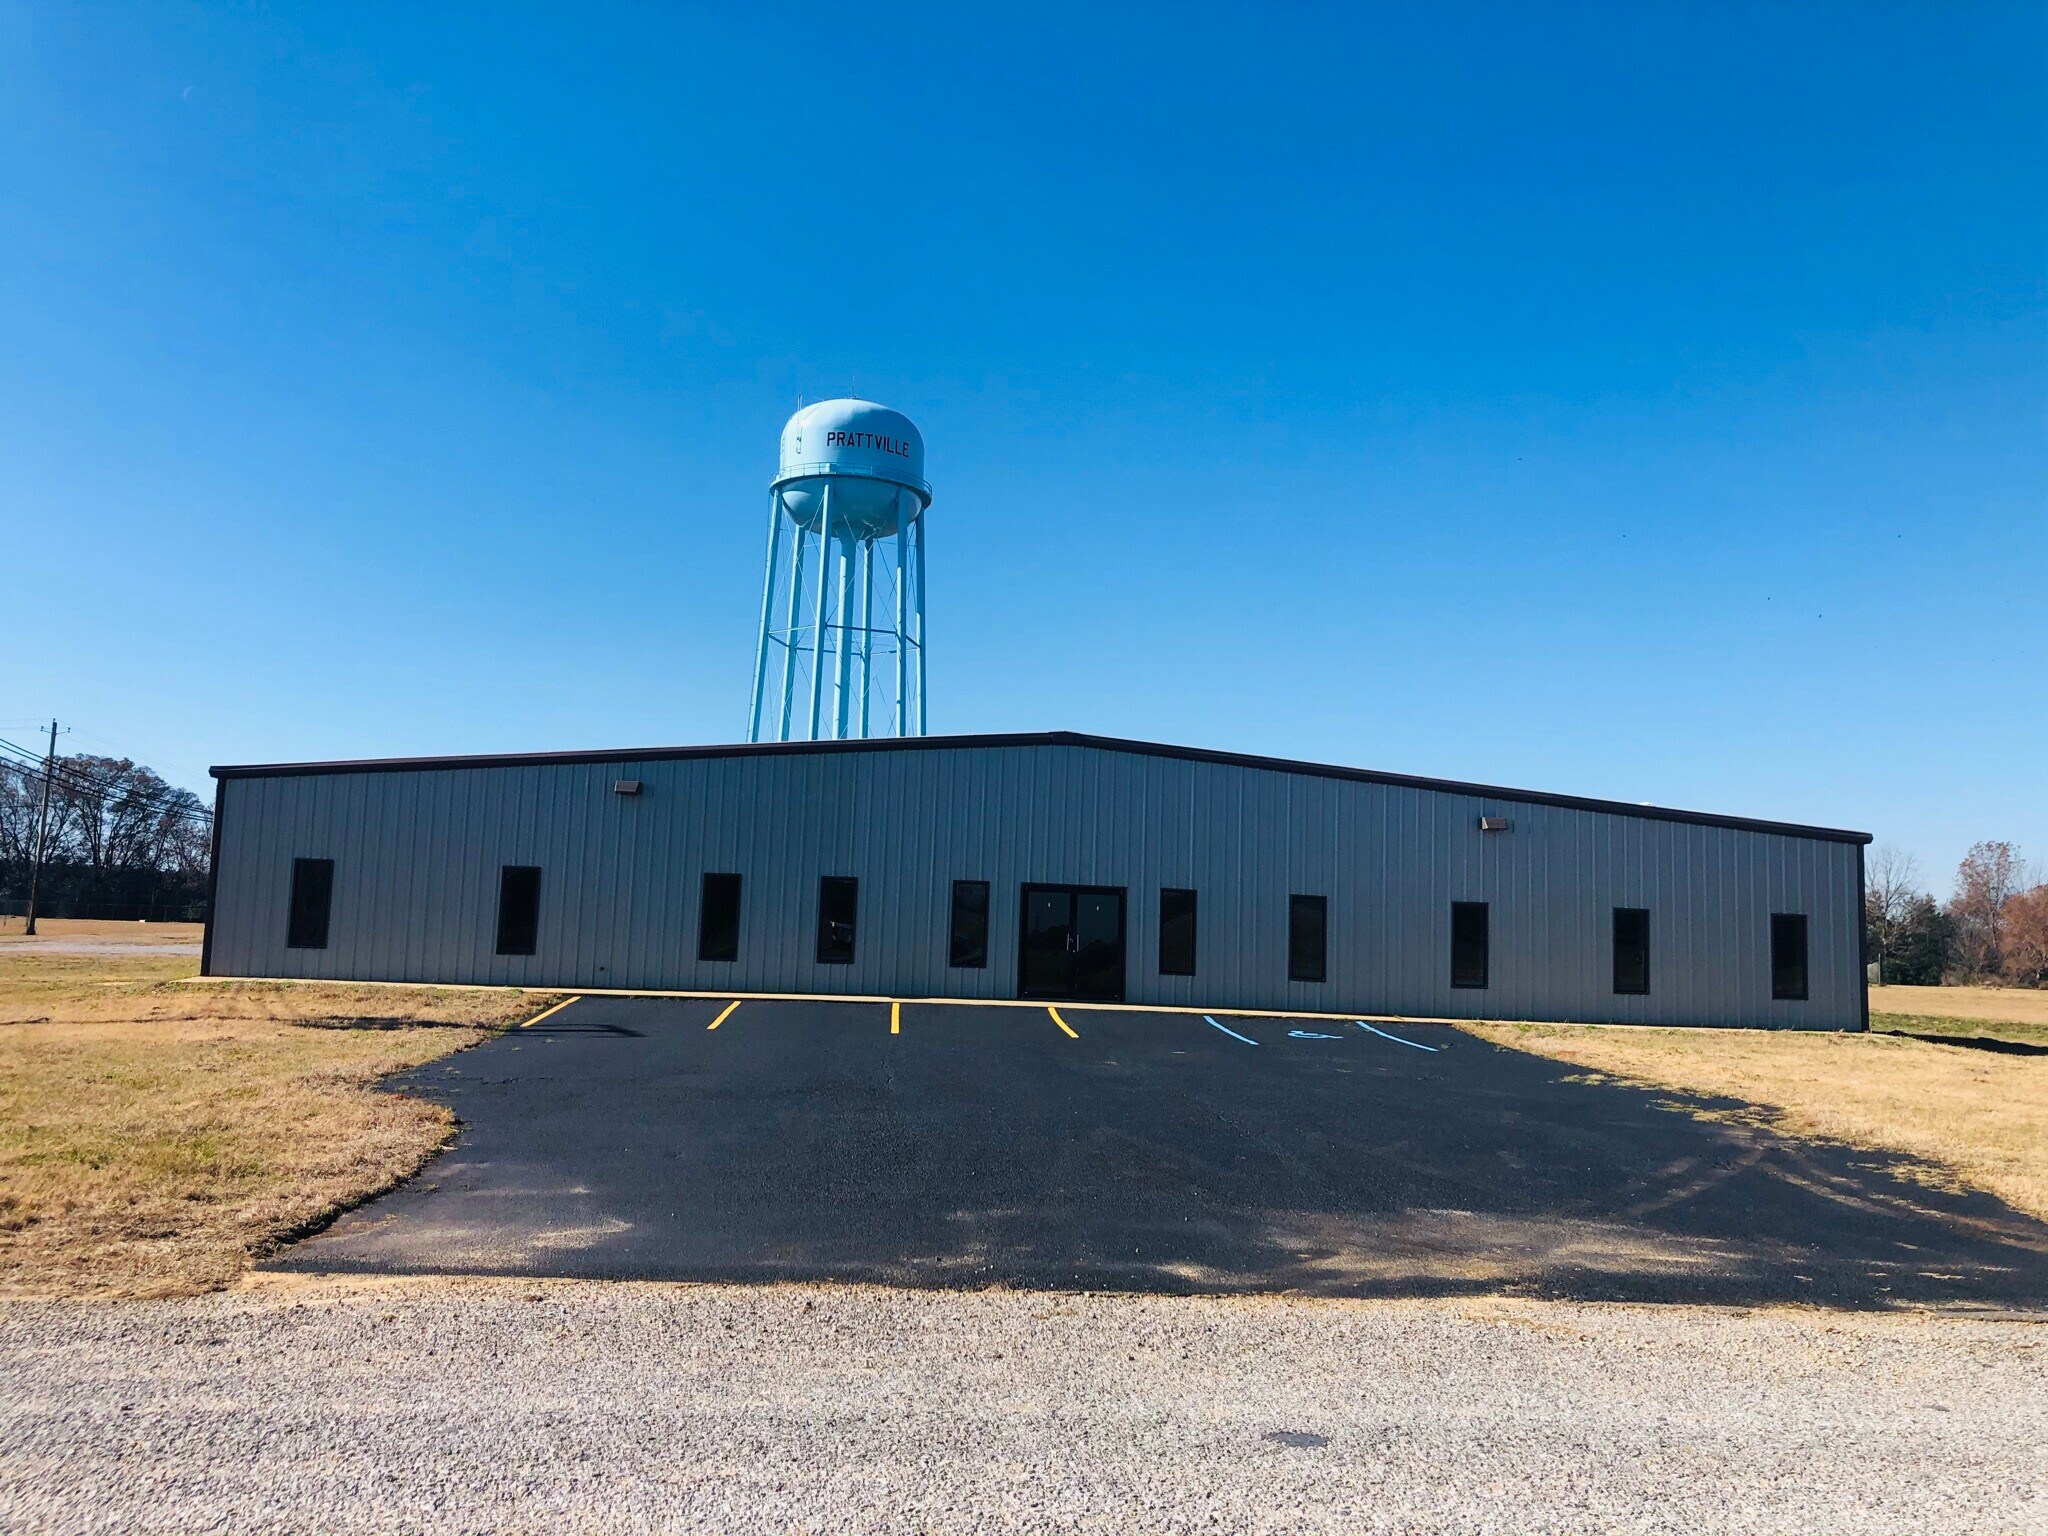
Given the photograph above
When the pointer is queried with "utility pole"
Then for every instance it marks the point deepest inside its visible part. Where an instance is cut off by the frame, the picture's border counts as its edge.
(35, 868)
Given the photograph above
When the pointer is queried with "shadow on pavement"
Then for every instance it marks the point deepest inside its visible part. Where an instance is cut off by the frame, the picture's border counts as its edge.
(801, 1141)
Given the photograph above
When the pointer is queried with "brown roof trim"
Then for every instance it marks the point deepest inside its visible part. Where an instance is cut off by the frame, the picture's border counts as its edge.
(1038, 739)
(220, 803)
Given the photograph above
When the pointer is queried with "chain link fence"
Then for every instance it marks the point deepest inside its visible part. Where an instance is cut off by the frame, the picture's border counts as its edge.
(107, 911)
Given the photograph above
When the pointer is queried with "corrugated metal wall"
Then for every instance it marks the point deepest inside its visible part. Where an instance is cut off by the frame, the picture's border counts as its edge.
(417, 854)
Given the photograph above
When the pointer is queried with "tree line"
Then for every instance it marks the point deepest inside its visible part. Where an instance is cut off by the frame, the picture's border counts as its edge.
(118, 836)
(1994, 928)
(115, 836)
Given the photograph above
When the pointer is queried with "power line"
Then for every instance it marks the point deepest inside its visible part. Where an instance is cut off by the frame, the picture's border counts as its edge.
(35, 868)
(164, 808)
(128, 793)
(30, 764)
(121, 751)
(170, 801)
(149, 810)
(160, 808)
(79, 774)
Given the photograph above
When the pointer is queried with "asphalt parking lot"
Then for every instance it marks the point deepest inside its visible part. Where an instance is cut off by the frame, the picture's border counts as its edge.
(1099, 1149)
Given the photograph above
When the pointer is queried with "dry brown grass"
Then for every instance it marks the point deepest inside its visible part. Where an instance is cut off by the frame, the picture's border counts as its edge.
(1984, 1013)
(25, 975)
(1998, 1005)
(15, 929)
(1981, 1115)
(154, 1136)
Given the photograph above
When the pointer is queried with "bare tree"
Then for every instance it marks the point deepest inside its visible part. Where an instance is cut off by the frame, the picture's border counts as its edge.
(1987, 877)
(188, 836)
(1891, 882)
(117, 835)
(18, 789)
(2026, 937)
(116, 814)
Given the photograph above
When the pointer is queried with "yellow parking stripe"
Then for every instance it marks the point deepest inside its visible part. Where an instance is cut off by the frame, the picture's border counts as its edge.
(1063, 1024)
(895, 1018)
(545, 1012)
(724, 1015)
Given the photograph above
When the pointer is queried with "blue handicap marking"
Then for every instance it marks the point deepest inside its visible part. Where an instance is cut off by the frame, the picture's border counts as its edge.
(1309, 1034)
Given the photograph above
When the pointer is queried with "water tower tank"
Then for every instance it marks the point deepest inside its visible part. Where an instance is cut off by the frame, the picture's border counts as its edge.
(841, 648)
(869, 455)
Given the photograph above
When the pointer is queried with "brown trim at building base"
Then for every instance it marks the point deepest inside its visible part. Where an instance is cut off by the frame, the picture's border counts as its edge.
(1863, 937)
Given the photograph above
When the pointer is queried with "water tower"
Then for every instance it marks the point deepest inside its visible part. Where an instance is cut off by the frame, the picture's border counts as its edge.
(845, 513)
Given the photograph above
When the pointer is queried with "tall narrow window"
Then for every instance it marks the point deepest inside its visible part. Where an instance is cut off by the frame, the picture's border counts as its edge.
(968, 943)
(312, 898)
(1176, 933)
(1468, 943)
(1788, 956)
(1308, 938)
(518, 909)
(838, 909)
(1632, 951)
(718, 921)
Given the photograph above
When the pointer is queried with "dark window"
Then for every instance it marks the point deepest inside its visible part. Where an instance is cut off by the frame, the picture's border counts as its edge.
(718, 924)
(1176, 933)
(970, 925)
(312, 897)
(1788, 956)
(838, 907)
(1308, 934)
(518, 909)
(1632, 950)
(1468, 944)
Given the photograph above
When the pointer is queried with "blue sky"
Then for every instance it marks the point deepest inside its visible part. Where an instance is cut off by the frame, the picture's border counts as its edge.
(1640, 401)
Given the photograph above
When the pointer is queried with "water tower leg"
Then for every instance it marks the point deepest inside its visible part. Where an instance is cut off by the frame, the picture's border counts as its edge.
(842, 655)
(867, 631)
(818, 628)
(902, 649)
(918, 528)
(795, 610)
(767, 616)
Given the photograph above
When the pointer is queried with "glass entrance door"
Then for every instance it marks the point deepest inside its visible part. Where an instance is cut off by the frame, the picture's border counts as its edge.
(1048, 942)
(1073, 945)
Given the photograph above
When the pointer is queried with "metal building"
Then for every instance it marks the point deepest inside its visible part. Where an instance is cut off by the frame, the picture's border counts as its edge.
(1049, 865)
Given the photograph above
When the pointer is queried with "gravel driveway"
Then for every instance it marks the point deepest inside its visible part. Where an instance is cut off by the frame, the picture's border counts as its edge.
(471, 1406)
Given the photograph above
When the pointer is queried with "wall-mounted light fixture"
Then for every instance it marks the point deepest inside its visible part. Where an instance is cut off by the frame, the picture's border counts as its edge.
(626, 787)
(1493, 823)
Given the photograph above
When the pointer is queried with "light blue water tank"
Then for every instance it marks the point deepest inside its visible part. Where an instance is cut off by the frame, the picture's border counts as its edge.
(870, 455)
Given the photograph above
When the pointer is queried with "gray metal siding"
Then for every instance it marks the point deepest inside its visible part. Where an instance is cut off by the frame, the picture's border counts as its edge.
(417, 855)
